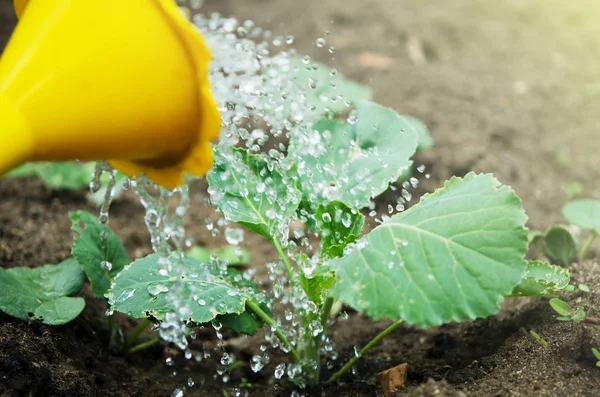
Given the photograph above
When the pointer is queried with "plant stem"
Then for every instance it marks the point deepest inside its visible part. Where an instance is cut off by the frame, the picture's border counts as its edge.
(327, 305)
(312, 347)
(312, 343)
(288, 266)
(111, 322)
(364, 351)
(143, 346)
(133, 336)
(269, 321)
(588, 244)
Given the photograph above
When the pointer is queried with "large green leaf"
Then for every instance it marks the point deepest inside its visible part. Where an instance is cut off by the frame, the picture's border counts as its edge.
(98, 250)
(583, 213)
(353, 162)
(542, 279)
(43, 292)
(141, 291)
(327, 89)
(248, 191)
(453, 256)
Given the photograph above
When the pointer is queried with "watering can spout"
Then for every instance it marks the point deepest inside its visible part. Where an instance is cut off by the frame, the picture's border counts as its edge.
(123, 81)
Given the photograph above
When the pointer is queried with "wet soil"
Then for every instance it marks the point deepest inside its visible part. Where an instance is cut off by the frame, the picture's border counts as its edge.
(510, 87)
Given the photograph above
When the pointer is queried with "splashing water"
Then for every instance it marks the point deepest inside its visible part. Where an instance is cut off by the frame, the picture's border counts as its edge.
(262, 107)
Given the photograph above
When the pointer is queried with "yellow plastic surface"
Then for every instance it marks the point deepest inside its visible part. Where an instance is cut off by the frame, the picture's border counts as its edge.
(125, 81)
(20, 6)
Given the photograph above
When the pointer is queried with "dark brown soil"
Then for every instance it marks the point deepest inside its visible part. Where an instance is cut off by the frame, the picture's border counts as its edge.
(509, 87)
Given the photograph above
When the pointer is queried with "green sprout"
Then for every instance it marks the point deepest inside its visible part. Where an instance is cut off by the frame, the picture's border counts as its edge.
(597, 355)
(538, 338)
(567, 313)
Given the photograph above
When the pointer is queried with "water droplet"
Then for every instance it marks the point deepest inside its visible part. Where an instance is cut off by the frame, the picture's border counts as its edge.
(346, 220)
(157, 288)
(234, 236)
(279, 371)
(320, 42)
(178, 393)
(414, 182)
(257, 363)
(106, 266)
(227, 359)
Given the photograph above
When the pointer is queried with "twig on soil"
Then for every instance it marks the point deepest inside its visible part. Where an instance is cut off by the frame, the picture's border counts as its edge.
(592, 320)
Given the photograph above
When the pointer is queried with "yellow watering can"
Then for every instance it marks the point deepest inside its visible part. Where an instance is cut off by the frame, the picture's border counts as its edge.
(118, 80)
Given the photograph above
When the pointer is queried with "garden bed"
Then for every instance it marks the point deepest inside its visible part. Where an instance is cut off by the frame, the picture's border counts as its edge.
(509, 88)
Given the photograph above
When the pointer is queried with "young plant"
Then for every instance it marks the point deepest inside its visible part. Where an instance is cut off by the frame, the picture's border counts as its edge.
(452, 257)
(567, 313)
(586, 215)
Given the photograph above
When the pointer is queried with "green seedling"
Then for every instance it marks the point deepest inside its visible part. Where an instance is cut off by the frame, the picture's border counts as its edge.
(580, 287)
(585, 214)
(567, 313)
(538, 338)
(597, 355)
(400, 270)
